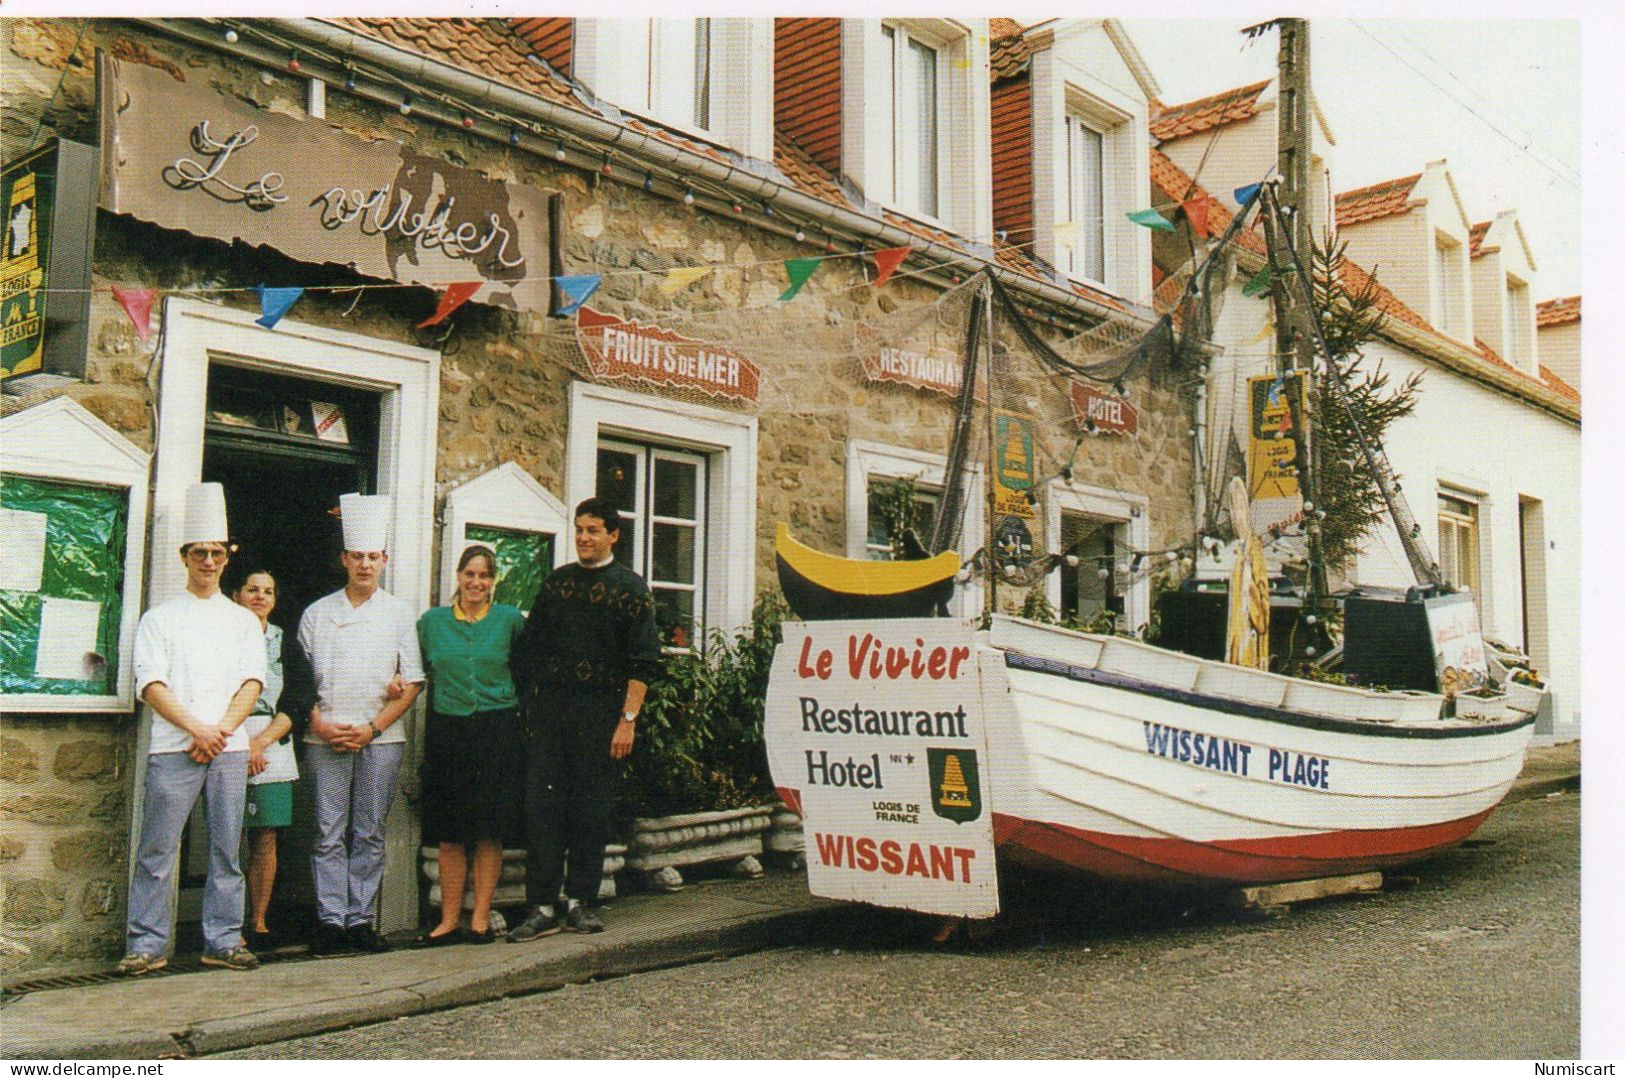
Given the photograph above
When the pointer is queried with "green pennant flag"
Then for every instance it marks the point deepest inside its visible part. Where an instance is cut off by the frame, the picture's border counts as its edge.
(1259, 283)
(798, 270)
(1151, 219)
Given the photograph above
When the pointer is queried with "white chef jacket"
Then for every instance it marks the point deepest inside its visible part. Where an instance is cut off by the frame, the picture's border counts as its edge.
(203, 650)
(354, 651)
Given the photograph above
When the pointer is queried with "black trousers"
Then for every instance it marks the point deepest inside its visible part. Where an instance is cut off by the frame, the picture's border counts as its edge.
(569, 790)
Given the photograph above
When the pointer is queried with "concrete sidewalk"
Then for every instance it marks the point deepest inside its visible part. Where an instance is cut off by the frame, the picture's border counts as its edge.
(195, 1014)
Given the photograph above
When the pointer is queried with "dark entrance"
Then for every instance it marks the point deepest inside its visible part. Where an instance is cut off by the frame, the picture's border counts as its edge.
(284, 449)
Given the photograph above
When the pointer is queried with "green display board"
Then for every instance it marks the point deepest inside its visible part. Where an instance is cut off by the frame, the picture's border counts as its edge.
(524, 559)
(80, 563)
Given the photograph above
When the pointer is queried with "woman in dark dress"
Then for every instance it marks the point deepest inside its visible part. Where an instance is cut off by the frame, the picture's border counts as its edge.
(473, 752)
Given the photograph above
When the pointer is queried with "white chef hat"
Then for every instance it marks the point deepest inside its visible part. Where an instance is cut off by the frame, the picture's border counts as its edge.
(366, 520)
(204, 519)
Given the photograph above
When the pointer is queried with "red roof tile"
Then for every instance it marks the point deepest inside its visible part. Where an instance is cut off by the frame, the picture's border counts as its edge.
(1206, 113)
(1009, 54)
(1558, 385)
(485, 46)
(1376, 200)
(805, 173)
(1177, 186)
(1475, 239)
(1557, 312)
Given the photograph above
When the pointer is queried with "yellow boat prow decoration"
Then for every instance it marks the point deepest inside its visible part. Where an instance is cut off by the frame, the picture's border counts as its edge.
(822, 586)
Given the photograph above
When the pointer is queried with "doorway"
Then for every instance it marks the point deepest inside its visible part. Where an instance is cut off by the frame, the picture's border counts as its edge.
(284, 448)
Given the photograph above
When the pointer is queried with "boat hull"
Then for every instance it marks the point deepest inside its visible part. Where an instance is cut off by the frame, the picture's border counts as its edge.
(1122, 761)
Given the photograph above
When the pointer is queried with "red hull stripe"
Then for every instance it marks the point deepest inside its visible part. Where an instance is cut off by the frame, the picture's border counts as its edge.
(1253, 860)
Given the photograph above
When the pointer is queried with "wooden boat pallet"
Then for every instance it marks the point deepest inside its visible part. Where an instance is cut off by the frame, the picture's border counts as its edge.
(1270, 901)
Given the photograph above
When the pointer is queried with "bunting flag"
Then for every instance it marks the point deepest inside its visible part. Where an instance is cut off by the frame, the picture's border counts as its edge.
(577, 289)
(452, 298)
(274, 303)
(137, 303)
(1151, 219)
(1258, 284)
(1196, 213)
(798, 270)
(887, 261)
(1066, 233)
(680, 278)
(1246, 194)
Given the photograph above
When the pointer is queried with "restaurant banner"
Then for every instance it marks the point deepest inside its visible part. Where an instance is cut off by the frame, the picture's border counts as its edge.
(927, 359)
(1109, 413)
(876, 735)
(619, 349)
(181, 155)
(1276, 403)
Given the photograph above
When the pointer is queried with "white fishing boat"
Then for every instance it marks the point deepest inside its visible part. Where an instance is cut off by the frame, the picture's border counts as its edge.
(1130, 762)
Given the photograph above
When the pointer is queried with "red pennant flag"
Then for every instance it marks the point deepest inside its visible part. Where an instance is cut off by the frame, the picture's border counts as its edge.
(1196, 213)
(887, 261)
(454, 297)
(137, 303)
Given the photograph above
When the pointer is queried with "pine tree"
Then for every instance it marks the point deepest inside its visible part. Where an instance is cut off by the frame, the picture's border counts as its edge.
(1348, 492)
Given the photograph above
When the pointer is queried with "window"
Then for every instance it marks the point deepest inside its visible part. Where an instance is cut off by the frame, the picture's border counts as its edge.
(1090, 588)
(1446, 277)
(661, 494)
(1516, 332)
(897, 506)
(679, 83)
(915, 75)
(1458, 540)
(1085, 256)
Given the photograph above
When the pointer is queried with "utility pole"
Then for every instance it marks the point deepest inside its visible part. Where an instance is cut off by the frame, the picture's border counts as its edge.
(1292, 121)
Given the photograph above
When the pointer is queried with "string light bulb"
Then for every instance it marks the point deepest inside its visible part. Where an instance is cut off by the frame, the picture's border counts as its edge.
(468, 121)
(406, 105)
(558, 151)
(648, 181)
(349, 79)
(293, 62)
(800, 235)
(513, 136)
(688, 197)
(231, 35)
(607, 168)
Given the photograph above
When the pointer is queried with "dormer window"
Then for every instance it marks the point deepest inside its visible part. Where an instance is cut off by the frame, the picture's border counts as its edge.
(1082, 250)
(1518, 323)
(914, 101)
(1447, 282)
(679, 83)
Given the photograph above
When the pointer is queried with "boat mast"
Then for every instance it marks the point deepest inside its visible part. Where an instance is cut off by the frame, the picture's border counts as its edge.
(990, 602)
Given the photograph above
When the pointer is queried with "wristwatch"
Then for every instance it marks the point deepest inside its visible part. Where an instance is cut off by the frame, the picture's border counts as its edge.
(629, 717)
(376, 733)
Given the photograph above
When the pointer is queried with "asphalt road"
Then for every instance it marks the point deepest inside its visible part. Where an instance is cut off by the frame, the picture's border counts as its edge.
(1476, 955)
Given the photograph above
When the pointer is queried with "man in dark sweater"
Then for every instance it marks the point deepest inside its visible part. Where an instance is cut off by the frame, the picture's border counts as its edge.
(582, 665)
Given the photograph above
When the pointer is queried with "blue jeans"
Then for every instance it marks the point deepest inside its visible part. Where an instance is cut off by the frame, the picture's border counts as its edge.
(171, 789)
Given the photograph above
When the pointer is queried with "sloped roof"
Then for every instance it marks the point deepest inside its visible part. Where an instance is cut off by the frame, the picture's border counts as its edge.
(1557, 312)
(1475, 240)
(1174, 184)
(1206, 113)
(1375, 200)
(484, 46)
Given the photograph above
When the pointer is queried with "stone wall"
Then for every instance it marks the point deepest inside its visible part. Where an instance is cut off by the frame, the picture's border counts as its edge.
(504, 387)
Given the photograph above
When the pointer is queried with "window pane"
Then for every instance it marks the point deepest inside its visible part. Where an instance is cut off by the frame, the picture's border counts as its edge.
(676, 488)
(1087, 189)
(924, 62)
(674, 616)
(673, 67)
(618, 477)
(702, 73)
(893, 106)
(672, 555)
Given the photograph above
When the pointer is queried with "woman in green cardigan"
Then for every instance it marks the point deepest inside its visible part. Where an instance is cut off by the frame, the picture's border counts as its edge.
(474, 754)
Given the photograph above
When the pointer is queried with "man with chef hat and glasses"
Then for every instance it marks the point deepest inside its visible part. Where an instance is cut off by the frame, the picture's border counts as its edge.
(199, 668)
(351, 645)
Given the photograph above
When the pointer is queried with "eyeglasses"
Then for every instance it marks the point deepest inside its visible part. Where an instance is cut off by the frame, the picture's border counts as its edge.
(195, 554)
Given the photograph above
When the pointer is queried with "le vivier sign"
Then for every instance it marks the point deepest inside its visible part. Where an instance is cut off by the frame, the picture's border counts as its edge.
(180, 155)
(618, 349)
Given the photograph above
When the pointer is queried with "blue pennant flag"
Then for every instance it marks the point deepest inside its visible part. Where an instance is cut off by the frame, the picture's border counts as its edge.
(577, 289)
(1246, 194)
(274, 303)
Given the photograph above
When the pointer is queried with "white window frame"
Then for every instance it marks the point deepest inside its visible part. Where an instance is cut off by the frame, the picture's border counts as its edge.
(1519, 323)
(1448, 281)
(1063, 86)
(616, 59)
(868, 148)
(1132, 511)
(644, 517)
(866, 460)
(506, 497)
(909, 188)
(727, 440)
(1090, 221)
